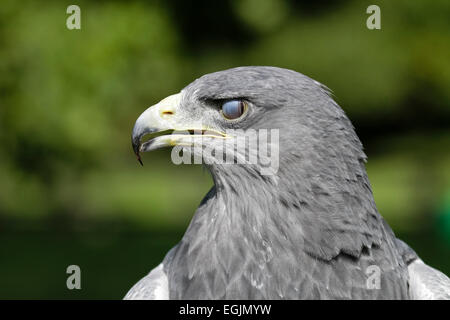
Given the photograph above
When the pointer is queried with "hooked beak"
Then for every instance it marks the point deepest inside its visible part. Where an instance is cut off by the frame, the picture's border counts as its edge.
(166, 127)
(155, 119)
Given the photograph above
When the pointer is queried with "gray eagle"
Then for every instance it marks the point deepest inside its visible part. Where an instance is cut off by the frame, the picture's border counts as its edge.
(303, 226)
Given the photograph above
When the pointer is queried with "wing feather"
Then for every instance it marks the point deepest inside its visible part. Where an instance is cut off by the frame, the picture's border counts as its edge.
(427, 283)
(153, 286)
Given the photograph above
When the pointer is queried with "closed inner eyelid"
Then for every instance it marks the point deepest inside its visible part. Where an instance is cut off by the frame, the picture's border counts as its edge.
(217, 103)
(234, 109)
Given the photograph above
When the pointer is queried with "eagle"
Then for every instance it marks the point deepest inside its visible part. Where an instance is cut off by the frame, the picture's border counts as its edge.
(291, 214)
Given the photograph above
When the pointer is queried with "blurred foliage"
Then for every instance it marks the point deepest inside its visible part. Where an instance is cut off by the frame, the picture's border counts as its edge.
(69, 98)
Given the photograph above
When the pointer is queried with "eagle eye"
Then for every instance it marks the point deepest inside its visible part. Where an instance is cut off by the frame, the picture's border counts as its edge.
(233, 109)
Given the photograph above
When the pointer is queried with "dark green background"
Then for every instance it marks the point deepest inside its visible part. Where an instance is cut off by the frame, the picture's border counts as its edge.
(71, 191)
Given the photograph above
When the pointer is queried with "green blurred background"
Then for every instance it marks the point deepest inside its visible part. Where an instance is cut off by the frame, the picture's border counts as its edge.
(71, 191)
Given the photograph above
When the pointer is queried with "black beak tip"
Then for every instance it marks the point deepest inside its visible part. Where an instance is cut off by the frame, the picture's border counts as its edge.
(136, 147)
(138, 133)
(140, 160)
